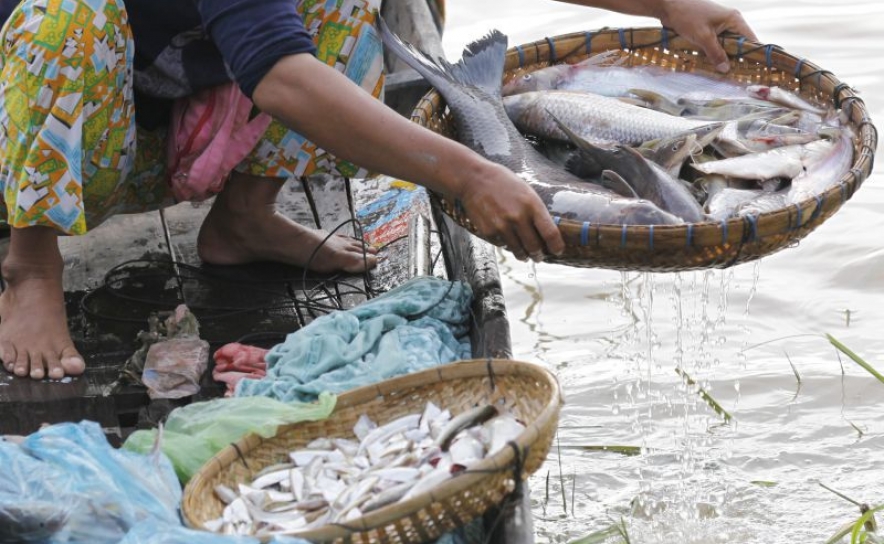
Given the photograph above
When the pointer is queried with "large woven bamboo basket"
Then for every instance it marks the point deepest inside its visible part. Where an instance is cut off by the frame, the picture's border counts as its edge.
(528, 391)
(697, 245)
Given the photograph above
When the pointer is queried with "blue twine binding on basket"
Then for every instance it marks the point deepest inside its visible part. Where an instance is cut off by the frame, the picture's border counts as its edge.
(740, 41)
(724, 231)
(798, 68)
(857, 173)
(798, 214)
(690, 240)
(664, 39)
(557, 219)
(622, 33)
(753, 226)
(584, 234)
(588, 42)
(552, 50)
(623, 236)
(843, 192)
(818, 209)
(767, 54)
(651, 237)
(521, 53)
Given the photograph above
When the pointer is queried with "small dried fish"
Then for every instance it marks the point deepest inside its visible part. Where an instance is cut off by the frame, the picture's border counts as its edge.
(337, 480)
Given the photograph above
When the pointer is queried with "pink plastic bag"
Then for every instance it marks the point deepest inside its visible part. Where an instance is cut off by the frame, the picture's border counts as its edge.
(211, 133)
(173, 367)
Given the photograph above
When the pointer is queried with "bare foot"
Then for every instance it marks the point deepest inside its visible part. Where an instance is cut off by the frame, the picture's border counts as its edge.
(34, 338)
(243, 226)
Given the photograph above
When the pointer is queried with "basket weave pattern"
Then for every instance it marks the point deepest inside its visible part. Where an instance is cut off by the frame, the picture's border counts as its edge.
(698, 245)
(528, 391)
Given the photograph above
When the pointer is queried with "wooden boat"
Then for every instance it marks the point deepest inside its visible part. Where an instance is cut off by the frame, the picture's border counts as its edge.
(120, 273)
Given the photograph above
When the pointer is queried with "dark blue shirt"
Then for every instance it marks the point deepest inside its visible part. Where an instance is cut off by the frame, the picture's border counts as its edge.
(183, 46)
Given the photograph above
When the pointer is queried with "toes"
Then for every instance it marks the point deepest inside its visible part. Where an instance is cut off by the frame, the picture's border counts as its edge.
(53, 367)
(7, 356)
(361, 264)
(22, 364)
(38, 370)
(72, 362)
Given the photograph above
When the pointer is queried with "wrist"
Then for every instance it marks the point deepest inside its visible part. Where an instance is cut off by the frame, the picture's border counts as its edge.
(467, 172)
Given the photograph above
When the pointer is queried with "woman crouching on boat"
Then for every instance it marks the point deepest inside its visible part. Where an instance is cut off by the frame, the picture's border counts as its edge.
(85, 98)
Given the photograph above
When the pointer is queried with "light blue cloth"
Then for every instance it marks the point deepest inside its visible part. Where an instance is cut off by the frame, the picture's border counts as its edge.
(420, 324)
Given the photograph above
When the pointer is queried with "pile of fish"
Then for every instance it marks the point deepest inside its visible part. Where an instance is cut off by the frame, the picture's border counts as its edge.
(611, 144)
(336, 480)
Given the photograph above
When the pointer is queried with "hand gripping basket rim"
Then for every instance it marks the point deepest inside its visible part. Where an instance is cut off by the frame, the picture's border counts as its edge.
(697, 245)
(524, 386)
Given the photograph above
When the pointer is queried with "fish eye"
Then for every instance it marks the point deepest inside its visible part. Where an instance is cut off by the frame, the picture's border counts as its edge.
(527, 77)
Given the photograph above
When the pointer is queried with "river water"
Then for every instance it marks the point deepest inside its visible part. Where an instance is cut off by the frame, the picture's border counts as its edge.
(752, 336)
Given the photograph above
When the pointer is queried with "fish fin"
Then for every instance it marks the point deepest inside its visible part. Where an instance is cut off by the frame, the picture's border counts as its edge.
(616, 183)
(582, 162)
(481, 66)
(605, 58)
(583, 165)
(658, 102)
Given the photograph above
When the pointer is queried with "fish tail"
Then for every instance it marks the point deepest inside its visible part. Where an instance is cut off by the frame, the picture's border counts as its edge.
(481, 66)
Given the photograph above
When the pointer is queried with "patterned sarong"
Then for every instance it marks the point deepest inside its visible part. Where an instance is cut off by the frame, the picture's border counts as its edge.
(70, 150)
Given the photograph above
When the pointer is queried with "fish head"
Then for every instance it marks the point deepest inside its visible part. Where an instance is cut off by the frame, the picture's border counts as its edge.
(670, 153)
(539, 80)
(518, 106)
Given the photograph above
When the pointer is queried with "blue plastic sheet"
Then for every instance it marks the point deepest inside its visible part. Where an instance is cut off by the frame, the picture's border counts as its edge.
(98, 492)
(420, 324)
(66, 484)
(147, 533)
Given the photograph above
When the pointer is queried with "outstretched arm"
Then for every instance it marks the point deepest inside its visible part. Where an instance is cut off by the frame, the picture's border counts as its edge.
(699, 21)
(323, 105)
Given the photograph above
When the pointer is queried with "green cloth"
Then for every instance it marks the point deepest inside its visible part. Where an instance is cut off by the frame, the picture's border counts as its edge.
(196, 432)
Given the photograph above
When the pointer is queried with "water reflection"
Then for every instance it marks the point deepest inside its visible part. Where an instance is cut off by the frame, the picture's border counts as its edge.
(751, 337)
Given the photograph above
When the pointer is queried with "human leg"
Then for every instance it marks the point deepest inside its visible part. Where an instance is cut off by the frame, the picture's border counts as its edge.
(243, 226)
(65, 127)
(34, 339)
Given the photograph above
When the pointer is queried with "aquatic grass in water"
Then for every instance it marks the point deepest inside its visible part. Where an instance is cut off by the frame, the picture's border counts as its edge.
(856, 358)
(705, 396)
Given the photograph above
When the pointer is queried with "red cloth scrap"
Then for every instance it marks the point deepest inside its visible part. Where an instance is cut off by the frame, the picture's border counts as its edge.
(235, 361)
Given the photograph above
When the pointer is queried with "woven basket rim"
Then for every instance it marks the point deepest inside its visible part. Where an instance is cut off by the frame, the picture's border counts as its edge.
(466, 369)
(801, 216)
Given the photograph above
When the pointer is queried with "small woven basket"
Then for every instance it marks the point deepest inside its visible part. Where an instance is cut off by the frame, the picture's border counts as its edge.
(530, 392)
(697, 245)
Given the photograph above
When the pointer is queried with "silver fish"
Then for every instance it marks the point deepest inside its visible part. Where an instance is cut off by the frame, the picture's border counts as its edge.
(647, 179)
(781, 96)
(782, 162)
(596, 118)
(764, 203)
(597, 76)
(826, 171)
(724, 200)
(388, 496)
(671, 153)
(465, 420)
(472, 90)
